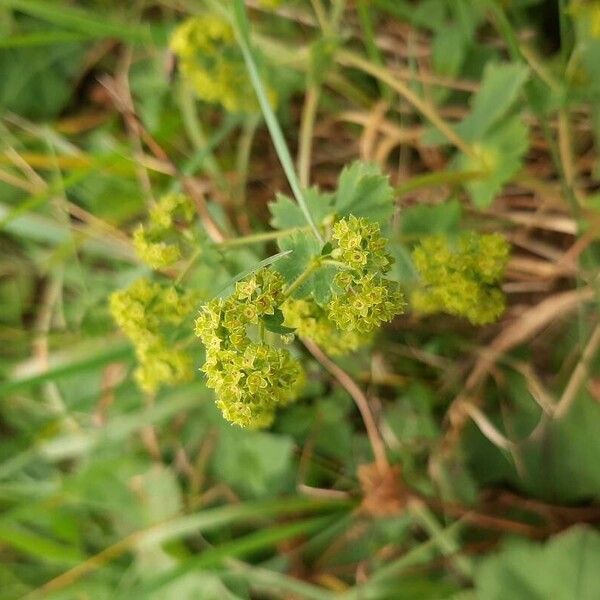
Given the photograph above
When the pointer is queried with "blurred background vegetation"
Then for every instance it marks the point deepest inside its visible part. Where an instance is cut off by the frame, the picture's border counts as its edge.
(492, 432)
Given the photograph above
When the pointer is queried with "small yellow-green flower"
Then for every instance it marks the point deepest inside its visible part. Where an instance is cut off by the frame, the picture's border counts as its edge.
(312, 322)
(364, 298)
(251, 379)
(146, 312)
(159, 242)
(212, 64)
(462, 280)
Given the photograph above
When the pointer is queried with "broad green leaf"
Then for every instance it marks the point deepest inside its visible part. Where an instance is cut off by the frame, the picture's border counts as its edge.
(274, 323)
(499, 90)
(286, 214)
(363, 191)
(448, 50)
(37, 82)
(423, 219)
(498, 94)
(564, 568)
(500, 155)
(254, 463)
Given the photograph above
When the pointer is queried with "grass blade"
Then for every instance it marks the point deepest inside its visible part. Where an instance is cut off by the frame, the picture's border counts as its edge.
(243, 33)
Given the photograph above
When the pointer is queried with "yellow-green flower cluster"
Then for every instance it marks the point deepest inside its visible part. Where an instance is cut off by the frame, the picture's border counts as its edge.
(587, 12)
(144, 311)
(212, 64)
(462, 281)
(158, 243)
(311, 322)
(365, 298)
(251, 379)
(270, 3)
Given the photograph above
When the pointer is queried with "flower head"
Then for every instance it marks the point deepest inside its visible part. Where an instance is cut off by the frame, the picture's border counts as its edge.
(251, 380)
(211, 62)
(146, 311)
(159, 243)
(462, 280)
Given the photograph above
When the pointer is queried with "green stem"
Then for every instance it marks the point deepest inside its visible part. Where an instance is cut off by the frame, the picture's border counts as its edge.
(188, 266)
(337, 13)
(257, 238)
(193, 129)
(312, 266)
(437, 178)
(446, 543)
(320, 14)
(373, 51)
(243, 160)
(306, 134)
(335, 263)
(242, 31)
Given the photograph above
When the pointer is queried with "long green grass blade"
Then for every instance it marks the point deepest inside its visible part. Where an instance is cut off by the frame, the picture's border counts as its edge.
(76, 19)
(242, 29)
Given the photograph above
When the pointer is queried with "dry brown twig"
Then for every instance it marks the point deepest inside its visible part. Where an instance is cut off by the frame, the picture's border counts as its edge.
(360, 400)
(528, 324)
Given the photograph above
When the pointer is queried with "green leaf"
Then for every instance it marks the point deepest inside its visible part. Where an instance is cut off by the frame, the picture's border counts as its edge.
(254, 463)
(33, 544)
(497, 95)
(499, 90)
(37, 82)
(286, 214)
(242, 29)
(363, 191)
(500, 155)
(422, 219)
(274, 323)
(564, 568)
(448, 50)
(304, 248)
(91, 24)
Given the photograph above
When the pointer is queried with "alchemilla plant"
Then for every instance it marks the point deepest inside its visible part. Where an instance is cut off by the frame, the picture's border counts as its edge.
(332, 283)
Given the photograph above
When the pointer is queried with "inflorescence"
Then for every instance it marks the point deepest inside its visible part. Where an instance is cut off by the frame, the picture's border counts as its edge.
(159, 242)
(212, 63)
(311, 321)
(146, 311)
(364, 299)
(250, 377)
(462, 280)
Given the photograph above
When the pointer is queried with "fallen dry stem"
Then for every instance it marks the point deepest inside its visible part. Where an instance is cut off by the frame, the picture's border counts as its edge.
(360, 400)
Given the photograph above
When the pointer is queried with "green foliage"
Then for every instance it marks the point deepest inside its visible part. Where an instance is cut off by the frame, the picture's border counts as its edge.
(563, 568)
(500, 88)
(364, 192)
(499, 155)
(305, 250)
(286, 214)
(119, 476)
(255, 465)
